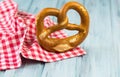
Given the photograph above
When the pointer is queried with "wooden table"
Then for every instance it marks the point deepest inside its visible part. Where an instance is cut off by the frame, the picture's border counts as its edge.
(102, 44)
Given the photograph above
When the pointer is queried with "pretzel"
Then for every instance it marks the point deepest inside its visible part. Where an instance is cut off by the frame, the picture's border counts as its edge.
(63, 44)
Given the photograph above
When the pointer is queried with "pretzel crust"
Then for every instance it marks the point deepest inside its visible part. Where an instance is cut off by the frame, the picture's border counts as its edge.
(64, 44)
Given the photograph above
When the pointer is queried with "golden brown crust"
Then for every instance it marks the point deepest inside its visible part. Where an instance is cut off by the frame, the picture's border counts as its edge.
(64, 44)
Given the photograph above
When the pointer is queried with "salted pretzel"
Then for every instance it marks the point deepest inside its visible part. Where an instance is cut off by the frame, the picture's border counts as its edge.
(63, 44)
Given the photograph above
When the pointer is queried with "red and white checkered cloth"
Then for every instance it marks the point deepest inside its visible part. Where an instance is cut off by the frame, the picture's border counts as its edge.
(17, 36)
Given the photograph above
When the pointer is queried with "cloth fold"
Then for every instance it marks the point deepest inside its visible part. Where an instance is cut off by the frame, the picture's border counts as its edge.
(18, 36)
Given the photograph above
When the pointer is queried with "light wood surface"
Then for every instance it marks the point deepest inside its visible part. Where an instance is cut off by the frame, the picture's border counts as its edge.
(102, 43)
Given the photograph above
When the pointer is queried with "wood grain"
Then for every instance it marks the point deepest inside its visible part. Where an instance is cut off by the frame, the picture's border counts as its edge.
(102, 44)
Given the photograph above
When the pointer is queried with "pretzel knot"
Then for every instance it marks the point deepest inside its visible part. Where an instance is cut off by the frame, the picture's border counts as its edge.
(64, 44)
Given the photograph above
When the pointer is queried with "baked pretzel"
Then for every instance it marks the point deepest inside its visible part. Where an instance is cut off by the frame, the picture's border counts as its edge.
(63, 44)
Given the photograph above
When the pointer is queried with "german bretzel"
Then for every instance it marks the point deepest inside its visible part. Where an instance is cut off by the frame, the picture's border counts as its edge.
(64, 44)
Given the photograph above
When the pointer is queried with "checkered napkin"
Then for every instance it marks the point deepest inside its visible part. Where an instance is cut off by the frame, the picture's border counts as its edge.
(17, 36)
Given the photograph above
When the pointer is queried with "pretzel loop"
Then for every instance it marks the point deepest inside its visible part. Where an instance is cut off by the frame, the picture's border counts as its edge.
(82, 28)
(64, 44)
